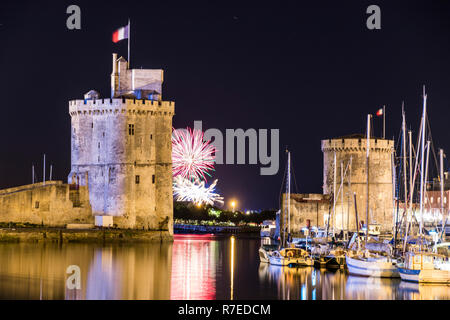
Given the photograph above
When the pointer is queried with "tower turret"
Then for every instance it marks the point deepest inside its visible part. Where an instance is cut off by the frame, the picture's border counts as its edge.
(380, 181)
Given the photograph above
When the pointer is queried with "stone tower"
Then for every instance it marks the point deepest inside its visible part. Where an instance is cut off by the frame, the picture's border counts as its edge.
(121, 149)
(380, 180)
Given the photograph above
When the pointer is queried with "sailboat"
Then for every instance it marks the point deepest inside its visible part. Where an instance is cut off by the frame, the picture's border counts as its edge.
(421, 265)
(287, 254)
(362, 262)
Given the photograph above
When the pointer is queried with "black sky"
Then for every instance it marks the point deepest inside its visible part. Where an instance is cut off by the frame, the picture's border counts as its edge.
(311, 69)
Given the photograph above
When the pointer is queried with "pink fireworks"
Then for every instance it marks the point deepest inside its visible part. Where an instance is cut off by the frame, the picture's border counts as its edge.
(192, 157)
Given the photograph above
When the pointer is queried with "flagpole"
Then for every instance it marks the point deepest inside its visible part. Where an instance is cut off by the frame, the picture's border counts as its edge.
(384, 122)
(129, 36)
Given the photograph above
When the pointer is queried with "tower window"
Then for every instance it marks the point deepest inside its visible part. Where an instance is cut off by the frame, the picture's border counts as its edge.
(36, 204)
(103, 134)
(131, 129)
(99, 145)
(151, 136)
(153, 178)
(92, 125)
(137, 179)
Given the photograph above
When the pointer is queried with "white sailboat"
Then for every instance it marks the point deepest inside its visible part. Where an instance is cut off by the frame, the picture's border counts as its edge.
(421, 265)
(288, 255)
(370, 265)
(362, 262)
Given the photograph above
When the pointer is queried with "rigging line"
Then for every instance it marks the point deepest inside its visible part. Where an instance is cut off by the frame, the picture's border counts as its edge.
(399, 139)
(293, 174)
(282, 184)
(432, 144)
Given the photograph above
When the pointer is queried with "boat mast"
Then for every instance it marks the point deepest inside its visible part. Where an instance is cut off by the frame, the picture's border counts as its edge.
(426, 199)
(394, 194)
(404, 158)
(422, 176)
(342, 197)
(334, 193)
(349, 195)
(289, 195)
(367, 175)
(441, 163)
(412, 179)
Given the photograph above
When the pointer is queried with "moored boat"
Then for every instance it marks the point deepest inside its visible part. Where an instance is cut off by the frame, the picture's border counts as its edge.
(424, 267)
(265, 251)
(290, 257)
(372, 266)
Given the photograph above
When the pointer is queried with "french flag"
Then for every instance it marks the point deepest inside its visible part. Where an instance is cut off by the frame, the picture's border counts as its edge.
(380, 112)
(121, 33)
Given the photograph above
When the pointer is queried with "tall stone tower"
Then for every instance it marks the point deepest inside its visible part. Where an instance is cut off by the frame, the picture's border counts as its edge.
(380, 180)
(121, 149)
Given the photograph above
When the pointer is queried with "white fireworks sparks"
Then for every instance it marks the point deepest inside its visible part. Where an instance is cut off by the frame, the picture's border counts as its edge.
(195, 191)
(192, 157)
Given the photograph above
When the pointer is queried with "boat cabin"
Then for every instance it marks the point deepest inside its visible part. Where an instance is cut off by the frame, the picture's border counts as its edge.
(422, 260)
(291, 253)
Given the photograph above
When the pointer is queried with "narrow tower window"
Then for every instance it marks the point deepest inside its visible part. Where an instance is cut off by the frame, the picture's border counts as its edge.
(137, 179)
(131, 129)
(153, 178)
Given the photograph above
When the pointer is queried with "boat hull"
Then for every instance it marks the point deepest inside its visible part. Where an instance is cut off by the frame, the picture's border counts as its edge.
(284, 261)
(263, 255)
(379, 269)
(335, 262)
(425, 276)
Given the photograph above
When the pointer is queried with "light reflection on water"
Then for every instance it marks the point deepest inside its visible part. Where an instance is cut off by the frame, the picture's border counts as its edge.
(193, 267)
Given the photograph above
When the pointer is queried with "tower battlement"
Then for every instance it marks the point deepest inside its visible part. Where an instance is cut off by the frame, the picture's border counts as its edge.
(357, 144)
(121, 105)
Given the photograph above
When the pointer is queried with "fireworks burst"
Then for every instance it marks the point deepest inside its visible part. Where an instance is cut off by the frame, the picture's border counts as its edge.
(192, 157)
(195, 191)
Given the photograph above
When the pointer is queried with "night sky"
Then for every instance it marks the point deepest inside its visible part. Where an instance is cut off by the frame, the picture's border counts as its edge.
(311, 69)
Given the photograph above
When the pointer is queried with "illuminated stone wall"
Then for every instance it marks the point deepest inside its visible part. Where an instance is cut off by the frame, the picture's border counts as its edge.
(380, 179)
(52, 204)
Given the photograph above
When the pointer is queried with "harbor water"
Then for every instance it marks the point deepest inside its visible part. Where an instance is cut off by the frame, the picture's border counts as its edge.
(192, 267)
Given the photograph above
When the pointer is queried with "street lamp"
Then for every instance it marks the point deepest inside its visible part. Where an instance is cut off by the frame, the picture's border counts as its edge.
(233, 204)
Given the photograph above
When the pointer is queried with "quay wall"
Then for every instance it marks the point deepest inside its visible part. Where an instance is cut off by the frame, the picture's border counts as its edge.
(91, 235)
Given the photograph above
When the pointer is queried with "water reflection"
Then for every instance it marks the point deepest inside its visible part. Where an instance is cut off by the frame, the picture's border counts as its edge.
(192, 267)
(38, 271)
(307, 283)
